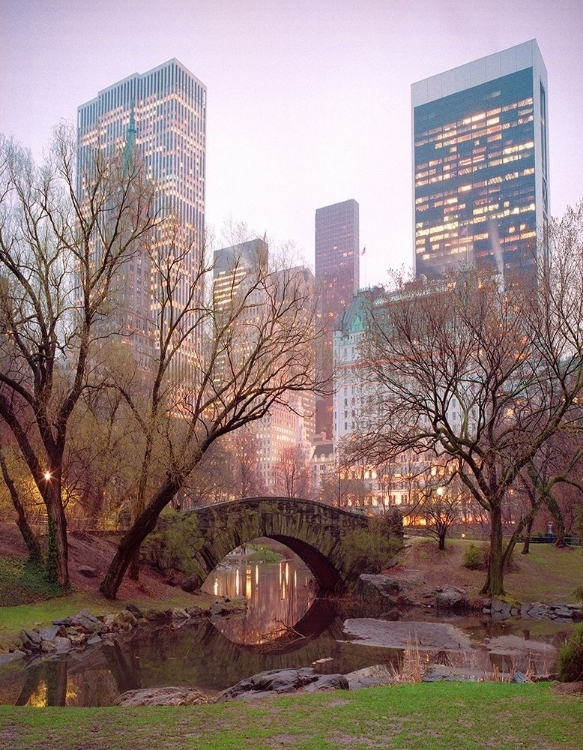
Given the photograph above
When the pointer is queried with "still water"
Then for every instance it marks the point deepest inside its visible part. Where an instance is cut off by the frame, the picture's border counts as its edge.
(286, 626)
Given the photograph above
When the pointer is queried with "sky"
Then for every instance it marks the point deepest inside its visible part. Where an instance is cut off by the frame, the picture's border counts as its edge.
(308, 100)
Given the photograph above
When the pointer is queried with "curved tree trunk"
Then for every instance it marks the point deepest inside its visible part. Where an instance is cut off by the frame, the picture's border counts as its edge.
(133, 538)
(30, 539)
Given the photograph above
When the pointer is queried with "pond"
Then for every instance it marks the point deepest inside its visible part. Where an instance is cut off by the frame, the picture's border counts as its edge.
(286, 626)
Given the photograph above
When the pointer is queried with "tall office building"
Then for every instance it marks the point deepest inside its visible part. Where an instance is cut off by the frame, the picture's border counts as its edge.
(280, 440)
(160, 116)
(234, 267)
(337, 280)
(480, 164)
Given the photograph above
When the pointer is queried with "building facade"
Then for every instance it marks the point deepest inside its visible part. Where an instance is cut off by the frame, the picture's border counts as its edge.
(480, 165)
(280, 442)
(160, 116)
(337, 280)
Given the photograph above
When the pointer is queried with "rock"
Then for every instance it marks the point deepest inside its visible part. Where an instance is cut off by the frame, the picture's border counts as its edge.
(375, 587)
(47, 634)
(279, 681)
(166, 696)
(431, 636)
(95, 640)
(30, 640)
(379, 674)
(451, 597)
(87, 571)
(62, 645)
(88, 622)
(179, 613)
(196, 612)
(125, 620)
(135, 611)
(12, 656)
(192, 583)
(218, 608)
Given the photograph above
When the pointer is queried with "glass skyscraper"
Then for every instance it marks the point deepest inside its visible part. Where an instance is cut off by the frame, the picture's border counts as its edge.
(480, 165)
(337, 280)
(161, 115)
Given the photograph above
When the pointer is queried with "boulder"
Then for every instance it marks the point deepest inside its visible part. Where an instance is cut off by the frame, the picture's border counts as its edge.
(165, 696)
(30, 640)
(279, 681)
(88, 622)
(380, 587)
(192, 583)
(451, 597)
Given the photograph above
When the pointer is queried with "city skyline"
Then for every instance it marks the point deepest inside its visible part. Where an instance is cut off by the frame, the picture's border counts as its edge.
(307, 104)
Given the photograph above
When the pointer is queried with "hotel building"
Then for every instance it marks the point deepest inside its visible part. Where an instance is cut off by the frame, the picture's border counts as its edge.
(480, 165)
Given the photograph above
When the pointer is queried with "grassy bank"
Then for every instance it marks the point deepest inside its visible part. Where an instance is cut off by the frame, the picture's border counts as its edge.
(26, 599)
(467, 716)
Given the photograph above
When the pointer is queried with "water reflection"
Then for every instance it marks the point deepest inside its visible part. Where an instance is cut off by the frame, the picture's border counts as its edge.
(278, 596)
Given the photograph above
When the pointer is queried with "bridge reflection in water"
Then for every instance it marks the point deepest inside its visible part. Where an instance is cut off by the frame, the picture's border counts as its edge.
(278, 595)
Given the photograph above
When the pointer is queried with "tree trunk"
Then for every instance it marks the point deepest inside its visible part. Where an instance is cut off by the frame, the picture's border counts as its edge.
(494, 585)
(134, 571)
(57, 558)
(526, 546)
(30, 539)
(441, 537)
(133, 538)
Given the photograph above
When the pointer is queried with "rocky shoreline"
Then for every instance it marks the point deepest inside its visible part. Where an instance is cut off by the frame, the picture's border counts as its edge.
(398, 593)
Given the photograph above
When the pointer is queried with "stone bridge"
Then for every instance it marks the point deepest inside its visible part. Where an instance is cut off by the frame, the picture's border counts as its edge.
(314, 531)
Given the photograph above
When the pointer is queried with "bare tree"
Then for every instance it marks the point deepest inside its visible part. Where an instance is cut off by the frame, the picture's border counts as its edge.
(58, 257)
(292, 473)
(482, 375)
(256, 350)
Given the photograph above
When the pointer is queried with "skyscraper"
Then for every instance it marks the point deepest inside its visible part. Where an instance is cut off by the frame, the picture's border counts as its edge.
(161, 116)
(480, 164)
(337, 280)
(281, 440)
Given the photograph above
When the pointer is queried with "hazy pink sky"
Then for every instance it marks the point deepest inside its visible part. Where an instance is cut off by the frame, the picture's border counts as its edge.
(308, 100)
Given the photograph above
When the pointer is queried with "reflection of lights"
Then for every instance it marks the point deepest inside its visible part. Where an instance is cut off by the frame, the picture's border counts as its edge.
(237, 582)
(216, 587)
(257, 575)
(248, 586)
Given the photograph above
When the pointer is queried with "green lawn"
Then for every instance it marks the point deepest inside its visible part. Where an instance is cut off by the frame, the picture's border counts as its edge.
(463, 716)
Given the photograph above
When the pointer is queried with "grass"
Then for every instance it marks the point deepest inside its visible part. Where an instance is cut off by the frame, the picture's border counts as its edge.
(23, 583)
(26, 599)
(546, 574)
(467, 716)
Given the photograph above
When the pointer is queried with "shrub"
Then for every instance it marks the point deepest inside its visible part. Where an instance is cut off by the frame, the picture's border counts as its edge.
(570, 661)
(473, 557)
(171, 544)
(578, 594)
(370, 550)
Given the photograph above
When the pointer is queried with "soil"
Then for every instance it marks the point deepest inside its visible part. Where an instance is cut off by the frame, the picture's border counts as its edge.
(422, 563)
(94, 552)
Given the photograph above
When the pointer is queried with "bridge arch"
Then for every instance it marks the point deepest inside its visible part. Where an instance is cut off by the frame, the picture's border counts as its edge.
(314, 531)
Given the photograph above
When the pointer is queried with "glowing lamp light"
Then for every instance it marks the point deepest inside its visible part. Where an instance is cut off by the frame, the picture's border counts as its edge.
(47, 475)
